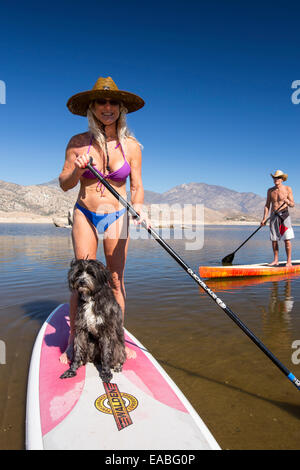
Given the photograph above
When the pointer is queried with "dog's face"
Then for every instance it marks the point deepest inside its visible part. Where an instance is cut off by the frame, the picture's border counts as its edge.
(87, 276)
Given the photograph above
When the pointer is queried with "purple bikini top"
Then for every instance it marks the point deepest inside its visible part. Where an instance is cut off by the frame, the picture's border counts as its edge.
(119, 175)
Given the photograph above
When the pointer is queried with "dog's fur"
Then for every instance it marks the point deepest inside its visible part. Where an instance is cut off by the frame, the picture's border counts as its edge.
(99, 332)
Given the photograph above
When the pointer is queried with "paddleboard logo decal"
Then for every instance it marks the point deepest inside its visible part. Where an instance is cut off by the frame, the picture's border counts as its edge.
(118, 404)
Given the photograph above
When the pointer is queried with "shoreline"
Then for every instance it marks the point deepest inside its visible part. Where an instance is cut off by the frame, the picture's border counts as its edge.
(155, 226)
(33, 219)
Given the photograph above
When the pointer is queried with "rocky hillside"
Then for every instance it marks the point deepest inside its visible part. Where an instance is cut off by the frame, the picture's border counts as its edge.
(44, 200)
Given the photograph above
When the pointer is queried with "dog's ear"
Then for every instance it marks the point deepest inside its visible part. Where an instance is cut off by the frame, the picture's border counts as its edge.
(73, 262)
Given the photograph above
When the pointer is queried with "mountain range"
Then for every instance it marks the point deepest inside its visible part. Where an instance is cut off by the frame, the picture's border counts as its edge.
(221, 204)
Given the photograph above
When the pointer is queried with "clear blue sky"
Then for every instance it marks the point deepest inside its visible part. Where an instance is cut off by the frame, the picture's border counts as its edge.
(216, 77)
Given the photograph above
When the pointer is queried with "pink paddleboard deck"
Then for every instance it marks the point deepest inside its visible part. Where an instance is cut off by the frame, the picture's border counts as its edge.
(141, 408)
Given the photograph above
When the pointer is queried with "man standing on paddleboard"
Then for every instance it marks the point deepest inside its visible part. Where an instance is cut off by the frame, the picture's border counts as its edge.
(280, 197)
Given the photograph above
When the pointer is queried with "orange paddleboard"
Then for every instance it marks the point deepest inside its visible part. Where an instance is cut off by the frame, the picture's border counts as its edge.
(262, 269)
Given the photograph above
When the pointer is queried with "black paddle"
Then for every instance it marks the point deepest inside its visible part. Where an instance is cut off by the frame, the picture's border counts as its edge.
(196, 278)
(229, 258)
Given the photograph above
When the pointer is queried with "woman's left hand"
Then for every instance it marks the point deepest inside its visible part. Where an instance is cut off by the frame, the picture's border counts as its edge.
(143, 215)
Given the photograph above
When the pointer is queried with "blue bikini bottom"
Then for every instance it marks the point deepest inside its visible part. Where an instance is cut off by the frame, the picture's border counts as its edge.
(101, 221)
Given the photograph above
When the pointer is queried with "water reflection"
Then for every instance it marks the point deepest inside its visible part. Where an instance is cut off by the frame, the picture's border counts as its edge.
(277, 313)
(229, 284)
(36, 249)
(281, 303)
(277, 316)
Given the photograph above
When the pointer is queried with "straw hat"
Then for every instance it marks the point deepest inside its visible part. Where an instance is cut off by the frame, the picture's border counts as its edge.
(105, 88)
(280, 174)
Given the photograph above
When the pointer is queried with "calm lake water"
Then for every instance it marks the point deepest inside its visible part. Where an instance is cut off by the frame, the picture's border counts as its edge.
(244, 399)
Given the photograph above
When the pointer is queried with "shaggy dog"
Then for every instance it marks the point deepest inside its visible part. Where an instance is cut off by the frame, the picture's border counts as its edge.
(99, 333)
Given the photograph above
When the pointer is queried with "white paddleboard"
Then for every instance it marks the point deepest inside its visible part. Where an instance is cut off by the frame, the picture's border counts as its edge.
(141, 408)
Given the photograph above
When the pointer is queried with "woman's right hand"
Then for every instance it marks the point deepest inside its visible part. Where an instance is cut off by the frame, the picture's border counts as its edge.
(82, 161)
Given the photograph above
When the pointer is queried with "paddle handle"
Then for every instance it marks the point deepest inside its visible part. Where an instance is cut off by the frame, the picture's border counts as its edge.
(196, 278)
(258, 228)
(274, 213)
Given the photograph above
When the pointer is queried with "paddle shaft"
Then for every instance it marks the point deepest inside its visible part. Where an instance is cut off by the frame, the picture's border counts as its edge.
(196, 278)
(258, 228)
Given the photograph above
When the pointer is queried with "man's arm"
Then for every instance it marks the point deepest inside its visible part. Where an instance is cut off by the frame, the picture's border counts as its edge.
(290, 198)
(266, 208)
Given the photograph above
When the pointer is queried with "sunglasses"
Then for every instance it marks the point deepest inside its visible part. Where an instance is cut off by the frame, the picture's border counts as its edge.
(103, 101)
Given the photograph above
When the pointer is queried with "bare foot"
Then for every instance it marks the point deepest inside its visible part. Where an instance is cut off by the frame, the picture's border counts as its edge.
(288, 265)
(130, 354)
(274, 263)
(67, 356)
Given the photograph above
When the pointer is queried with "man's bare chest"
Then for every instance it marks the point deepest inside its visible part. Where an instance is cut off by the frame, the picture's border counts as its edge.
(279, 194)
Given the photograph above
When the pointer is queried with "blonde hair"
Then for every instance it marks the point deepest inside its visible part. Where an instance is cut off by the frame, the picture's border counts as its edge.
(95, 128)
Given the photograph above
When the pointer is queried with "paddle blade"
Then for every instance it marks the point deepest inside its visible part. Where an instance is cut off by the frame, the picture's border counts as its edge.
(228, 259)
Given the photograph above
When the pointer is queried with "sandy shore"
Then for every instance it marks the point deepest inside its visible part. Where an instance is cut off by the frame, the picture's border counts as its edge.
(25, 220)
(28, 218)
(34, 219)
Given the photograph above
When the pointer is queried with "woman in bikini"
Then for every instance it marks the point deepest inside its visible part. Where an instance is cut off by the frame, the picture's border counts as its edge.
(116, 155)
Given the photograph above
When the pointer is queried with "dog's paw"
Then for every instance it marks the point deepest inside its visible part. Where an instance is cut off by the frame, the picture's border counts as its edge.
(106, 377)
(118, 368)
(67, 374)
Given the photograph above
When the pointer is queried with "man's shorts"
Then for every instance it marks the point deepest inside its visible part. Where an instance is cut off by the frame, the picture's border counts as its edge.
(281, 226)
